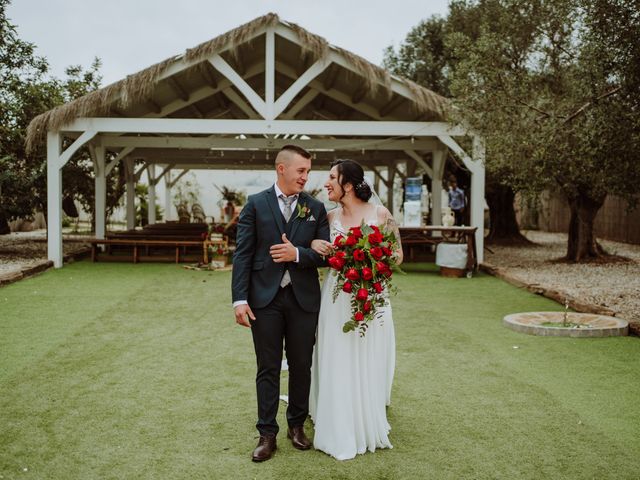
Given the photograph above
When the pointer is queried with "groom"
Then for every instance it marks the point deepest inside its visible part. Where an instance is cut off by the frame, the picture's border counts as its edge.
(276, 292)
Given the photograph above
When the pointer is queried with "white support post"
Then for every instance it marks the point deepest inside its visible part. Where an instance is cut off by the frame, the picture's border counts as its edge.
(101, 192)
(168, 211)
(131, 194)
(54, 199)
(391, 177)
(151, 173)
(477, 195)
(270, 74)
(439, 157)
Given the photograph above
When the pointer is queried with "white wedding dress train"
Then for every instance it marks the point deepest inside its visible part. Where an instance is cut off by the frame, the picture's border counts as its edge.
(351, 378)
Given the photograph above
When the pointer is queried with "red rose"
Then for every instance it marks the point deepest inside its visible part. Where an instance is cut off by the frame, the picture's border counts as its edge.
(381, 266)
(340, 254)
(376, 252)
(356, 232)
(383, 269)
(375, 238)
(352, 274)
(386, 251)
(377, 286)
(362, 294)
(375, 228)
(351, 240)
(366, 307)
(358, 255)
(347, 287)
(367, 273)
(220, 251)
(338, 241)
(336, 263)
(358, 317)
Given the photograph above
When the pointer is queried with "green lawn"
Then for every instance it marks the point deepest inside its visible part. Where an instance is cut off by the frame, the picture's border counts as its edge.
(139, 371)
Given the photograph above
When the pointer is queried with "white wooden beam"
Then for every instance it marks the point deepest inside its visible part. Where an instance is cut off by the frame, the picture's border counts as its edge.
(131, 193)
(285, 99)
(123, 153)
(178, 89)
(477, 194)
(140, 171)
(261, 143)
(100, 192)
(270, 74)
(74, 147)
(259, 127)
(231, 94)
(151, 204)
(54, 199)
(439, 158)
(300, 104)
(168, 211)
(457, 149)
(180, 175)
(254, 99)
(167, 171)
(420, 161)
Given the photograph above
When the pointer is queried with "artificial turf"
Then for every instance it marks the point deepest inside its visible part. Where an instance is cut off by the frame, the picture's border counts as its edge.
(139, 371)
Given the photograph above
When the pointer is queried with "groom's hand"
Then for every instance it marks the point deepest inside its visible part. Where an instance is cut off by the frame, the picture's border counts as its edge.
(283, 252)
(243, 313)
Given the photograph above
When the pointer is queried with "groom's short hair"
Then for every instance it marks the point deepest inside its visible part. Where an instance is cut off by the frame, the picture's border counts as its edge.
(291, 149)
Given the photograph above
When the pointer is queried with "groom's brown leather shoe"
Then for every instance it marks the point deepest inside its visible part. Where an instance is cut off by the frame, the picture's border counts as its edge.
(266, 448)
(298, 439)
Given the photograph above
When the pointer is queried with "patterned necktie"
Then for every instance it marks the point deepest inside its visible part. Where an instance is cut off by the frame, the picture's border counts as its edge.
(288, 201)
(287, 211)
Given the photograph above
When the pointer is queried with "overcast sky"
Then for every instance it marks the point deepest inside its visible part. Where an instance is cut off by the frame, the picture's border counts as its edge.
(129, 35)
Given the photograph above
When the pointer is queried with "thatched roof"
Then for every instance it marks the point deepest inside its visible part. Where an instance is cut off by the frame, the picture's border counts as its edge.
(139, 86)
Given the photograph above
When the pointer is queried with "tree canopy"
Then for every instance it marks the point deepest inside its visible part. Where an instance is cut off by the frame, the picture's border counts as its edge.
(553, 86)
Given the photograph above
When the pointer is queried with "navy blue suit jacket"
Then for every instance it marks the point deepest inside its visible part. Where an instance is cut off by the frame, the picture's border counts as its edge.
(256, 277)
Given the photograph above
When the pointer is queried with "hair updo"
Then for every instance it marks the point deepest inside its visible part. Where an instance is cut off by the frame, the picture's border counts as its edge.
(351, 172)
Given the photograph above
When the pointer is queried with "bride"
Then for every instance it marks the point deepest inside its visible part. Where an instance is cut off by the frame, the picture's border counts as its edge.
(351, 375)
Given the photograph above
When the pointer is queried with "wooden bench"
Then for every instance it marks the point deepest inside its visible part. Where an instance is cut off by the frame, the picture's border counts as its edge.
(137, 243)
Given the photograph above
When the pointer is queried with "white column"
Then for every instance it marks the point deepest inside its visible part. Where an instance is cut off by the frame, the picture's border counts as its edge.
(54, 199)
(477, 195)
(151, 175)
(131, 194)
(168, 211)
(270, 73)
(439, 157)
(101, 191)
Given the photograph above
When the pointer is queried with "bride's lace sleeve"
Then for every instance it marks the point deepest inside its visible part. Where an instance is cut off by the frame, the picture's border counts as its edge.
(388, 223)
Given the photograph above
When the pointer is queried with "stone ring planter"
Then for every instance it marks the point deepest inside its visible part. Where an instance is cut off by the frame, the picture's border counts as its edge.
(586, 324)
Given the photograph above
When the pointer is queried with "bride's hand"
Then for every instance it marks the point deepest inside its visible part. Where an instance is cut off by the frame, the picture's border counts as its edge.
(322, 247)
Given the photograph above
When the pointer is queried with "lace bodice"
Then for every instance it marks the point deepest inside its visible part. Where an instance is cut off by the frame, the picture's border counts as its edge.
(337, 228)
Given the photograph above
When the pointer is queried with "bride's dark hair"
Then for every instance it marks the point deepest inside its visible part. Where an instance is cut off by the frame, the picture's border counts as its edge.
(352, 172)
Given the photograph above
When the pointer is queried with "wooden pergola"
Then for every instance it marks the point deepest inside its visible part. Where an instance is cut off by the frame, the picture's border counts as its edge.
(230, 103)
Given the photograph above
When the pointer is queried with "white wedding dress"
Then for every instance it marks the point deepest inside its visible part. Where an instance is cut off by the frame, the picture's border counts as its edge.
(351, 376)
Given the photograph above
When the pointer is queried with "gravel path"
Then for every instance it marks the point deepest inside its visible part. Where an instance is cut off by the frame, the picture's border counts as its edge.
(615, 286)
(25, 249)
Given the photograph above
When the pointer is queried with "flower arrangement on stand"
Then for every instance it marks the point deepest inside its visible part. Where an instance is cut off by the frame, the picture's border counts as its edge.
(363, 261)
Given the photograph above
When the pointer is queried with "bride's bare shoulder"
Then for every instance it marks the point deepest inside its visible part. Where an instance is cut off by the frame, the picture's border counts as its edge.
(331, 214)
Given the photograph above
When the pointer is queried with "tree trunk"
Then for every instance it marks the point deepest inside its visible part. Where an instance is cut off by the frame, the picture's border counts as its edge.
(504, 227)
(581, 242)
(4, 224)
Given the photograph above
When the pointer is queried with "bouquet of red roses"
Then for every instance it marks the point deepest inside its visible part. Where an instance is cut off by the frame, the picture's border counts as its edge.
(363, 260)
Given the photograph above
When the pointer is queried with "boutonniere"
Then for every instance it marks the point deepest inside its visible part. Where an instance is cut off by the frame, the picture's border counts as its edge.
(303, 210)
